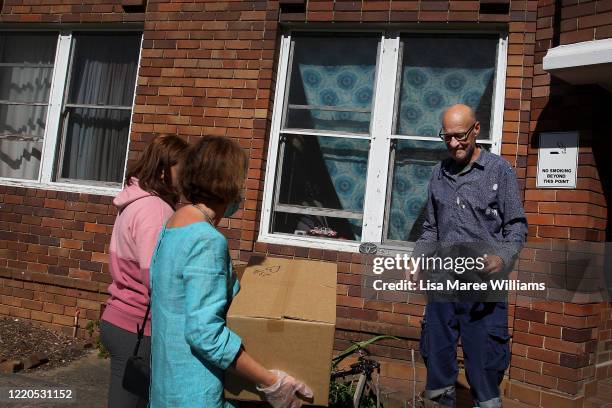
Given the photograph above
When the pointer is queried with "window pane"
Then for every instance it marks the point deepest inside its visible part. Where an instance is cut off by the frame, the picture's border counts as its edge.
(332, 89)
(20, 159)
(25, 78)
(96, 144)
(27, 48)
(104, 69)
(323, 173)
(25, 84)
(440, 71)
(24, 121)
(103, 72)
(356, 122)
(414, 161)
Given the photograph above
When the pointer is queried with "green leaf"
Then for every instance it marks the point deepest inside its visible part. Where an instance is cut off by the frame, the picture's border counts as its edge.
(357, 346)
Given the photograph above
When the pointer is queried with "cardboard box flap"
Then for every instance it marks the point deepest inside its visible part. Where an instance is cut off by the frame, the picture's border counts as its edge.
(313, 294)
(279, 288)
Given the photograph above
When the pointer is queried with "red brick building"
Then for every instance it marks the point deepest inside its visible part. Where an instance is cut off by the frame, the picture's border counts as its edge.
(337, 103)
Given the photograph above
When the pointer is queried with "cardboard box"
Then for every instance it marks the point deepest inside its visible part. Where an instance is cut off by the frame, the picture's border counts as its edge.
(285, 314)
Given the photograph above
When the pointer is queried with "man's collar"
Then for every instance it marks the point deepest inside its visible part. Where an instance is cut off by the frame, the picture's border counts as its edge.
(480, 162)
(483, 158)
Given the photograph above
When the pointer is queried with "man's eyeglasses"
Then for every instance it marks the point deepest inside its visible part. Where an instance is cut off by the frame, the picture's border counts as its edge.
(460, 137)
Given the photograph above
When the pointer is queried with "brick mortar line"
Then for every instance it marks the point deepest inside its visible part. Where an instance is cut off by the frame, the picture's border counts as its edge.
(51, 280)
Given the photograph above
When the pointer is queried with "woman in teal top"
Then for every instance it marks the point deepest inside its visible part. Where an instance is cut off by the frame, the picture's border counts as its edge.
(193, 283)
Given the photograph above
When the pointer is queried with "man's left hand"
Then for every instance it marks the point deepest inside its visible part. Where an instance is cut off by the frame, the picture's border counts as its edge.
(493, 264)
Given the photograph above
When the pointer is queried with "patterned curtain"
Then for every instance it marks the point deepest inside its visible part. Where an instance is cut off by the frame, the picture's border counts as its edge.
(414, 160)
(441, 71)
(329, 80)
(341, 86)
(436, 72)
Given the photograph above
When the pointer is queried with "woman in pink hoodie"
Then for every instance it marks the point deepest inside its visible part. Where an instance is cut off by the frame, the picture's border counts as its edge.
(145, 204)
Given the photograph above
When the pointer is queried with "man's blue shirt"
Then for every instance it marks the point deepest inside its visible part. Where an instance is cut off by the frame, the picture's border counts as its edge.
(480, 203)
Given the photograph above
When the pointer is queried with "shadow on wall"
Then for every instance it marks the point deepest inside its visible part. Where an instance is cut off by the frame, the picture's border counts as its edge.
(586, 109)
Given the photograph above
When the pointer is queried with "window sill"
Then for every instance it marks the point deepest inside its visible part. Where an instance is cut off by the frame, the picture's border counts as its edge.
(390, 248)
(387, 249)
(310, 242)
(71, 188)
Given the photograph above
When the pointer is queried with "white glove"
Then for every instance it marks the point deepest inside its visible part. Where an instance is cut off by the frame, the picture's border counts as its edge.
(283, 393)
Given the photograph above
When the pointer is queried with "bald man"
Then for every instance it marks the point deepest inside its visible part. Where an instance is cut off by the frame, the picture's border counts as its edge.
(473, 200)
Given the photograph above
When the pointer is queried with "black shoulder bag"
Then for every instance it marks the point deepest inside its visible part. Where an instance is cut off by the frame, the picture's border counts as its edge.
(137, 374)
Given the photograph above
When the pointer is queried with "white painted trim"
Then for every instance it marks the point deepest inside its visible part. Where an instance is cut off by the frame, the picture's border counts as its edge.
(309, 242)
(277, 113)
(381, 129)
(327, 133)
(578, 55)
(72, 188)
(320, 211)
(499, 95)
(60, 144)
(388, 248)
(56, 98)
(129, 141)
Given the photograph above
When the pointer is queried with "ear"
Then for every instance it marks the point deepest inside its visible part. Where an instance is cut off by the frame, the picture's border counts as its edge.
(476, 129)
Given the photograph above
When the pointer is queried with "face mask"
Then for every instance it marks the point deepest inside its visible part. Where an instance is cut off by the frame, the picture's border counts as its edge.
(231, 209)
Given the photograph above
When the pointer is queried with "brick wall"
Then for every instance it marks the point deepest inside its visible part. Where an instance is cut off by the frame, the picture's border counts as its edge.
(556, 341)
(554, 347)
(67, 12)
(584, 20)
(53, 255)
(575, 20)
(604, 345)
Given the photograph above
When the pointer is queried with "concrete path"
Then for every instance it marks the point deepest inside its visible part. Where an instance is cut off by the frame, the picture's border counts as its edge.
(87, 378)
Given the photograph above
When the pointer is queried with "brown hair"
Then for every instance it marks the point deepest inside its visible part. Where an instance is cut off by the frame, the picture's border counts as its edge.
(153, 168)
(214, 171)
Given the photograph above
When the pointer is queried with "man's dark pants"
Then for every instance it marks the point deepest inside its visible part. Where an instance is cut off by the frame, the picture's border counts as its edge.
(483, 330)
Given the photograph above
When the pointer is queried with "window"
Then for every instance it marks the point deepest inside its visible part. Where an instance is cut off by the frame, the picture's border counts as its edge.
(355, 134)
(65, 106)
(26, 69)
(324, 136)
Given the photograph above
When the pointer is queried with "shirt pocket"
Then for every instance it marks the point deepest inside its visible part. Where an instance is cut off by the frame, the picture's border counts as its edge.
(444, 200)
(487, 207)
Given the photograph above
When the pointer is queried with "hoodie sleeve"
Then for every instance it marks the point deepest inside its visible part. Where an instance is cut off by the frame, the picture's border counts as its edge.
(147, 226)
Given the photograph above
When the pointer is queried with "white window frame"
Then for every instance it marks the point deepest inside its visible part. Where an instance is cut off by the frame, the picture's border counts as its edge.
(381, 135)
(53, 131)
